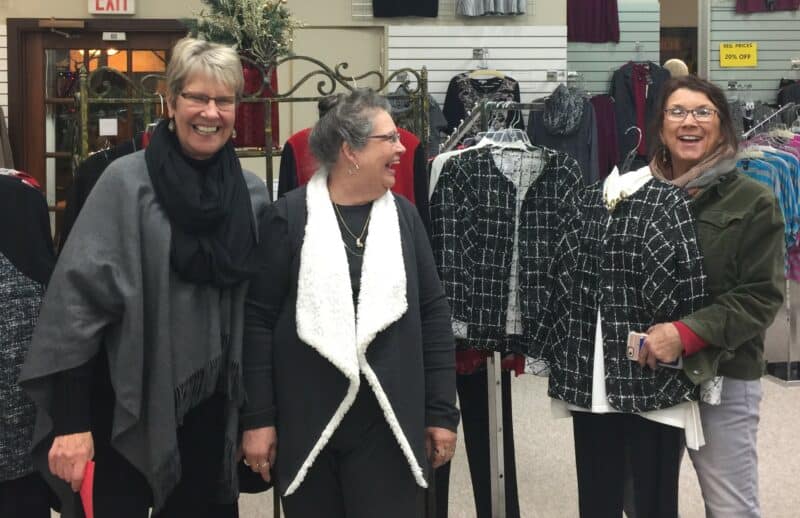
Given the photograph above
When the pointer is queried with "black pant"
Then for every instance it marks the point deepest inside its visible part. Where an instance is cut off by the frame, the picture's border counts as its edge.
(120, 491)
(25, 497)
(473, 399)
(604, 443)
(360, 473)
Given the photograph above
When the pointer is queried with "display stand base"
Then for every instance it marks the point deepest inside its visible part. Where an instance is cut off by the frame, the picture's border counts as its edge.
(786, 372)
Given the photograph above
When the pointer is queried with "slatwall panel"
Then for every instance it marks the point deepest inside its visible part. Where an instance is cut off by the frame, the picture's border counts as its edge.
(362, 12)
(639, 35)
(525, 53)
(4, 70)
(778, 37)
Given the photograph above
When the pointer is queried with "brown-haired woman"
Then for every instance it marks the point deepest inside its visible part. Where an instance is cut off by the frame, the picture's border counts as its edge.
(740, 232)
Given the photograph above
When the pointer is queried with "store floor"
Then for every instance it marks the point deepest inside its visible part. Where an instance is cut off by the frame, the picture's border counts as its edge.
(546, 469)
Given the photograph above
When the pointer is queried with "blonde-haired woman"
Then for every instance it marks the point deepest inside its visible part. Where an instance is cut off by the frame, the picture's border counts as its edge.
(136, 360)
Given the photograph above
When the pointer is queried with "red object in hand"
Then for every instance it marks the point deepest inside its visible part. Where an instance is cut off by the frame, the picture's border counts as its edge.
(87, 490)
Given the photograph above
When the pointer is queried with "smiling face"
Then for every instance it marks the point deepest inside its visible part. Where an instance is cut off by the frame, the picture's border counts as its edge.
(202, 128)
(689, 141)
(377, 159)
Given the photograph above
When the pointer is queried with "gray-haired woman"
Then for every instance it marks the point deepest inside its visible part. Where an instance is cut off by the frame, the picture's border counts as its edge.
(136, 360)
(349, 354)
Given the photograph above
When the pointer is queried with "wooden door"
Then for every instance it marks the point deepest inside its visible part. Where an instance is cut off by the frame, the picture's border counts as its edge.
(44, 119)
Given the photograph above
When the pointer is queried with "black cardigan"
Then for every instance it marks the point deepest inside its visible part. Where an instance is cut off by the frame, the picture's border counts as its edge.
(291, 386)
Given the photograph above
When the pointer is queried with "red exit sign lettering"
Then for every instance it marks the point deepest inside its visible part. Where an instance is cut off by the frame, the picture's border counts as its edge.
(112, 6)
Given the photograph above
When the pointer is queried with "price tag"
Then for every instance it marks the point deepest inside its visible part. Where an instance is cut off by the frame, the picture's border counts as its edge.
(738, 54)
(108, 127)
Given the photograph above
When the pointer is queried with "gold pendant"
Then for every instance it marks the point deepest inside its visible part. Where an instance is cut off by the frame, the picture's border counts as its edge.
(359, 244)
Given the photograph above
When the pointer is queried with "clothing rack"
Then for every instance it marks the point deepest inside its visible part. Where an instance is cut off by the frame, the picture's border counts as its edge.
(481, 112)
(497, 477)
(792, 290)
(462, 129)
(333, 80)
(752, 131)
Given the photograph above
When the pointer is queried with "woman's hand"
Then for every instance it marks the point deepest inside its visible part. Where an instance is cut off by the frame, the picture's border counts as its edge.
(68, 457)
(440, 445)
(259, 447)
(663, 343)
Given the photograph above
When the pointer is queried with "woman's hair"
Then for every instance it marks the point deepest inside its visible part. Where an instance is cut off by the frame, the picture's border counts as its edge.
(695, 84)
(348, 119)
(326, 103)
(192, 56)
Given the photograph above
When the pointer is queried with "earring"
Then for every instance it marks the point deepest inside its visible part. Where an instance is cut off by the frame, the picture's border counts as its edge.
(664, 157)
(233, 135)
(350, 170)
(171, 125)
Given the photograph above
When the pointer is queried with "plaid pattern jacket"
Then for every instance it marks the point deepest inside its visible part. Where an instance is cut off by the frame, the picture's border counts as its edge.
(473, 220)
(639, 265)
(21, 298)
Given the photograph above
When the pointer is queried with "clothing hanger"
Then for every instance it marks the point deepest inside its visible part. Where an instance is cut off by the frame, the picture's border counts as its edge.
(506, 138)
(575, 83)
(750, 153)
(483, 69)
(796, 124)
(152, 126)
(632, 153)
(479, 73)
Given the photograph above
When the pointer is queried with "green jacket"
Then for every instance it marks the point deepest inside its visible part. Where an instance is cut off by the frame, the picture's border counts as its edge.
(741, 234)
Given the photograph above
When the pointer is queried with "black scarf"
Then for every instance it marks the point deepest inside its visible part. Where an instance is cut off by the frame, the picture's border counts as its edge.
(208, 206)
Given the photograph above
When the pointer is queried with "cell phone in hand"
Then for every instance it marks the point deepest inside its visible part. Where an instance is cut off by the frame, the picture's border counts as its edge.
(635, 344)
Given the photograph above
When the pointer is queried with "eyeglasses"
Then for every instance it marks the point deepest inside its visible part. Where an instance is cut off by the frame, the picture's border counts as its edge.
(679, 114)
(393, 137)
(224, 103)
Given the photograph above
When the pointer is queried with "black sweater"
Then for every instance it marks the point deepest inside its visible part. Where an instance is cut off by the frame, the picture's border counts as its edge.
(291, 386)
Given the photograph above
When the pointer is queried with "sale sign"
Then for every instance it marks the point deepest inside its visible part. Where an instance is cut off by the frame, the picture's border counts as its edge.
(737, 54)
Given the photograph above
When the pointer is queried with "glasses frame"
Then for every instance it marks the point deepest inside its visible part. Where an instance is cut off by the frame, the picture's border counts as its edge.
(393, 137)
(198, 99)
(693, 111)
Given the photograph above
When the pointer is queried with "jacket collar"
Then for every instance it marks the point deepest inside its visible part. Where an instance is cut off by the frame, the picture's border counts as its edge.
(716, 190)
(326, 318)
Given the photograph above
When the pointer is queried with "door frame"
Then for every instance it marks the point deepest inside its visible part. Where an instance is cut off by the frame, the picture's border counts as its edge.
(25, 116)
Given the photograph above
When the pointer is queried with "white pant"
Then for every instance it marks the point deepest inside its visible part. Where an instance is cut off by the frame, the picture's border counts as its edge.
(727, 466)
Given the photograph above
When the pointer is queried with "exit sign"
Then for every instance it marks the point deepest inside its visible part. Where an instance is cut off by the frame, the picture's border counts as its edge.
(112, 6)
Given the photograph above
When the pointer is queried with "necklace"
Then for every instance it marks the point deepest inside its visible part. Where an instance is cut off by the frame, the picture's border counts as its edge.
(359, 238)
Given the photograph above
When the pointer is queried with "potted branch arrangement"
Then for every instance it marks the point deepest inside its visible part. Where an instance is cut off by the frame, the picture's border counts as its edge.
(261, 31)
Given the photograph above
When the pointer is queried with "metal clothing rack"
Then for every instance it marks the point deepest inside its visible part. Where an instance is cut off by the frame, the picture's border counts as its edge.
(94, 90)
(480, 112)
(789, 378)
(786, 378)
(752, 131)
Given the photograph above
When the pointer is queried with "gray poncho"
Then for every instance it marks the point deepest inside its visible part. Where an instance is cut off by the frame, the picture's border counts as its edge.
(170, 344)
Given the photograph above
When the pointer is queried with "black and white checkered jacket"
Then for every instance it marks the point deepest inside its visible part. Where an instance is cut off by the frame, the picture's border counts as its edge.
(21, 298)
(473, 219)
(639, 265)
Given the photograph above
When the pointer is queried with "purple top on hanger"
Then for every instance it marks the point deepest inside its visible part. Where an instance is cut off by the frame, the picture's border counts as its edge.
(592, 21)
